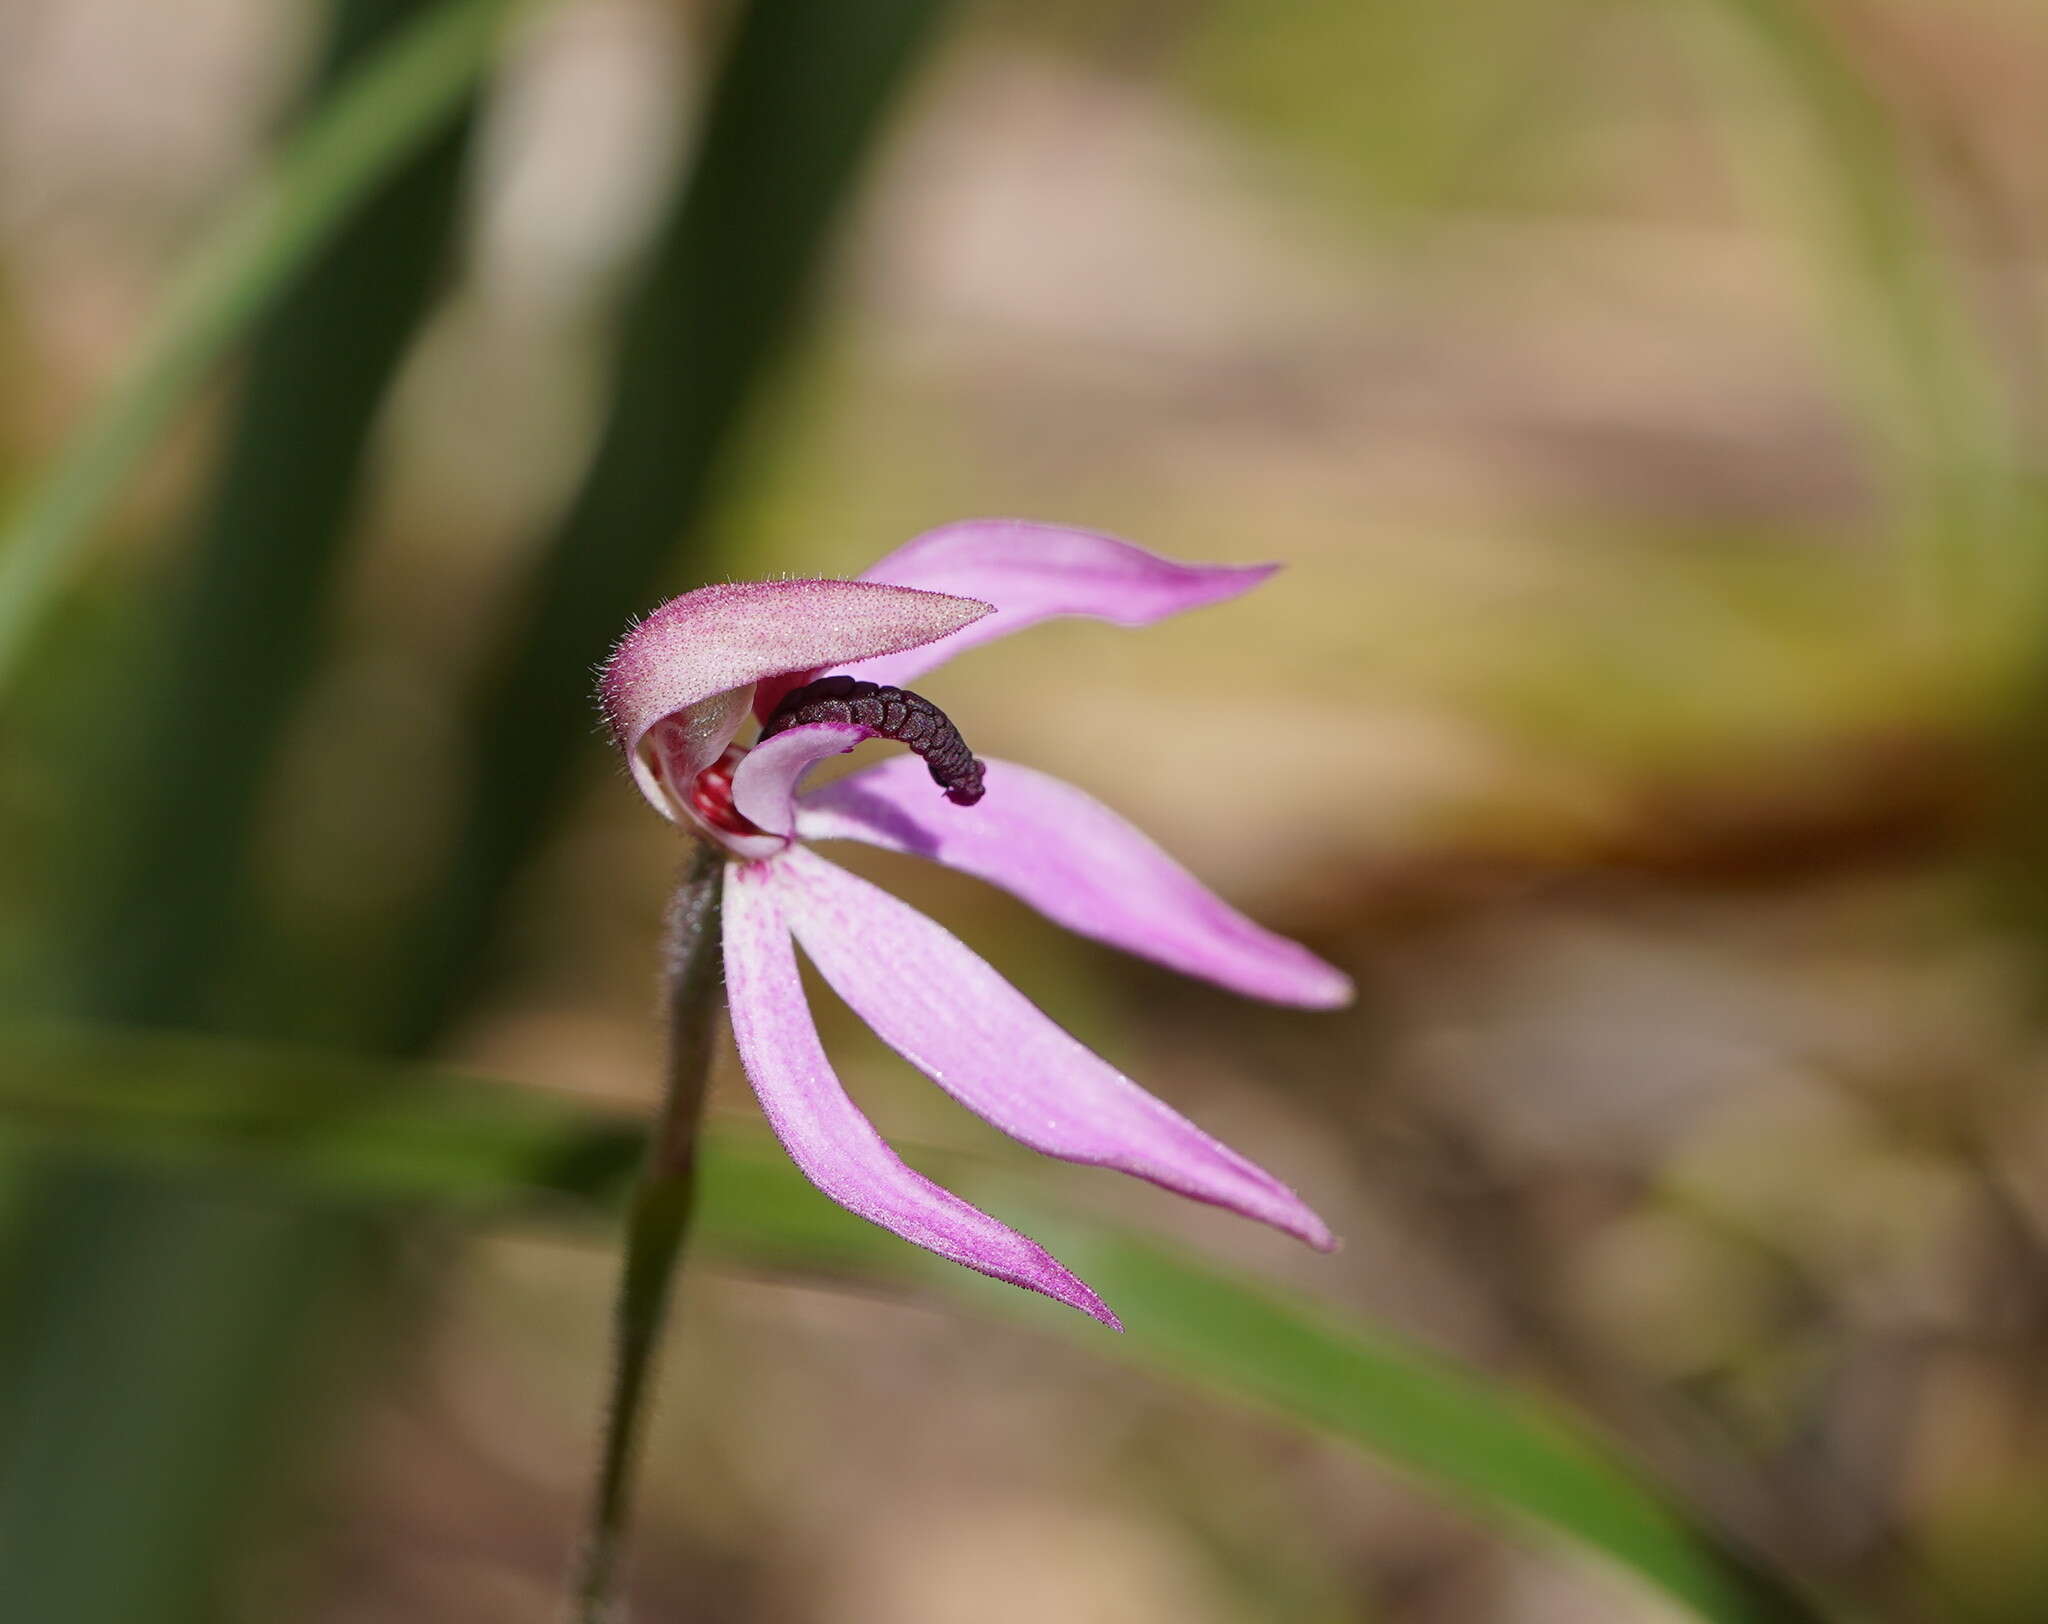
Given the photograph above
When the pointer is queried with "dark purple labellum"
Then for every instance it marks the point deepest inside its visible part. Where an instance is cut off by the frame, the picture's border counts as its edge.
(889, 713)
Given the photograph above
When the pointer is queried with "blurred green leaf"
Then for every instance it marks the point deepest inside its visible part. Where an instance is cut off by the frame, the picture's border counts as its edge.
(321, 1126)
(1497, 1450)
(388, 110)
(361, 1131)
(199, 730)
(1488, 1445)
(156, 1330)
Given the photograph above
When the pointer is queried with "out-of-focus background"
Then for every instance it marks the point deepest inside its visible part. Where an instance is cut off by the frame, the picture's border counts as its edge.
(1643, 399)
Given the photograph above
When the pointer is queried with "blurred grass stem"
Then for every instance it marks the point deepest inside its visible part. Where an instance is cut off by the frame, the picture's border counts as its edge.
(657, 1223)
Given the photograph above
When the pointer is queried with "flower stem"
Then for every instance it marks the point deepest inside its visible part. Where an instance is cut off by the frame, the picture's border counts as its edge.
(657, 1222)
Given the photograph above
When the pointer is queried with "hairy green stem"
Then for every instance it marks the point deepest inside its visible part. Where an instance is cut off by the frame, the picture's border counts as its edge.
(657, 1222)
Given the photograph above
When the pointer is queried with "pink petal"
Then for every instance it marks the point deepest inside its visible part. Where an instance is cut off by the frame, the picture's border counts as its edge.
(688, 665)
(949, 1014)
(1077, 863)
(1032, 572)
(825, 1133)
(764, 785)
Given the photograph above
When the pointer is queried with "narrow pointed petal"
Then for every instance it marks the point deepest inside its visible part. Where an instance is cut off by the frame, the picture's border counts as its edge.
(687, 667)
(824, 1132)
(764, 785)
(1077, 863)
(940, 1006)
(1032, 572)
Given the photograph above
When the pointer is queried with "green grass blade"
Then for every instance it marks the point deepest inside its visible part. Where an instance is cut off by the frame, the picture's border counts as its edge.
(152, 1328)
(388, 110)
(799, 101)
(326, 1127)
(201, 730)
(365, 1131)
(1494, 1449)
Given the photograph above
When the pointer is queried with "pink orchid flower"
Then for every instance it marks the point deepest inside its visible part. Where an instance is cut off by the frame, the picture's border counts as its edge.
(822, 663)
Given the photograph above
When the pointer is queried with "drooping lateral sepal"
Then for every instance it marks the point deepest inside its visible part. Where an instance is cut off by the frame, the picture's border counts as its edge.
(825, 1133)
(1079, 864)
(942, 1007)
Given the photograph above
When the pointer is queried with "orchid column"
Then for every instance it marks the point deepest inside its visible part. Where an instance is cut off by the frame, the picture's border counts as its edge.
(822, 665)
